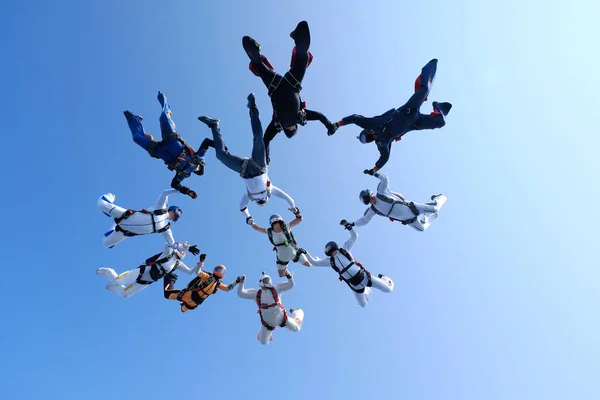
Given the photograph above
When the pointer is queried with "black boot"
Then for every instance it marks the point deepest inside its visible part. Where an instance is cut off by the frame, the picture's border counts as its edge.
(210, 122)
(252, 48)
(251, 101)
(442, 108)
(301, 29)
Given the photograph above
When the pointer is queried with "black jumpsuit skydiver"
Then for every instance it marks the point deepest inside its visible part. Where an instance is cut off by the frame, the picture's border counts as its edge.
(288, 108)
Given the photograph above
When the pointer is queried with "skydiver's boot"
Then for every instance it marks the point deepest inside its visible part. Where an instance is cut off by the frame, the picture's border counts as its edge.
(441, 108)
(252, 48)
(162, 99)
(128, 114)
(210, 122)
(301, 32)
(386, 279)
(251, 101)
(107, 273)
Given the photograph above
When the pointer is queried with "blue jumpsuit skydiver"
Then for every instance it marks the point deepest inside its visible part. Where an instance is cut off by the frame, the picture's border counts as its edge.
(178, 155)
(395, 123)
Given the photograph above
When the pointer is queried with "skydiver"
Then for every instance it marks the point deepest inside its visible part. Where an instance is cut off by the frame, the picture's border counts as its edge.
(281, 237)
(393, 206)
(272, 312)
(253, 170)
(288, 108)
(154, 268)
(395, 123)
(199, 288)
(178, 155)
(128, 223)
(351, 271)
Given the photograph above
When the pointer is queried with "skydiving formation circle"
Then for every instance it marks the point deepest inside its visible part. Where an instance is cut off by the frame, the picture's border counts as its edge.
(289, 112)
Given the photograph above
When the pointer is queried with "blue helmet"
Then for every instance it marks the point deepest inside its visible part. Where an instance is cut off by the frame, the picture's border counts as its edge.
(365, 196)
(176, 211)
(275, 218)
(330, 247)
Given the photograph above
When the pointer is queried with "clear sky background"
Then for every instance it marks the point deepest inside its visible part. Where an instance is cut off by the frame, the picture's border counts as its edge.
(497, 300)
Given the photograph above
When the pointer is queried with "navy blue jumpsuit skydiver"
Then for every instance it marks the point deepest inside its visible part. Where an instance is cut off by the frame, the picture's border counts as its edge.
(288, 109)
(395, 123)
(178, 155)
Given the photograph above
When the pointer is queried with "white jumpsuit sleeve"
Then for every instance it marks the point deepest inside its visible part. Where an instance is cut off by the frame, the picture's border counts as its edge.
(184, 268)
(168, 235)
(246, 293)
(384, 185)
(244, 205)
(352, 241)
(284, 286)
(164, 198)
(365, 219)
(318, 262)
(275, 191)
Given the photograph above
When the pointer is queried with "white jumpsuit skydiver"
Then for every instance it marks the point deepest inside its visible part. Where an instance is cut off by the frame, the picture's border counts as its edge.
(259, 189)
(154, 220)
(272, 312)
(351, 271)
(392, 205)
(134, 281)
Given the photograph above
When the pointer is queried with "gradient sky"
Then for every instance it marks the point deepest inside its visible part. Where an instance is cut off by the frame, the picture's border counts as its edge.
(497, 300)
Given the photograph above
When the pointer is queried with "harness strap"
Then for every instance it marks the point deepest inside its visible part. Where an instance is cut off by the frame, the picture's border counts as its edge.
(262, 170)
(267, 306)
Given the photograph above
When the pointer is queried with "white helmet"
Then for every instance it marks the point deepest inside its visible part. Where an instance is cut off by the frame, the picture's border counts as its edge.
(265, 281)
(180, 253)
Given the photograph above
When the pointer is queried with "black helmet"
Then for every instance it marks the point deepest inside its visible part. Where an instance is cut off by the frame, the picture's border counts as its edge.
(330, 248)
(365, 196)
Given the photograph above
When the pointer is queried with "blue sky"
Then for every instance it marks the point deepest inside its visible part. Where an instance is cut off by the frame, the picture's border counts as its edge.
(497, 300)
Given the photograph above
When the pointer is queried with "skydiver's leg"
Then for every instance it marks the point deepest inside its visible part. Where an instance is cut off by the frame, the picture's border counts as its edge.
(137, 130)
(292, 324)
(361, 299)
(259, 154)
(128, 277)
(112, 237)
(169, 281)
(301, 36)
(432, 121)
(426, 208)
(381, 284)
(167, 126)
(107, 273)
(259, 65)
(231, 161)
(427, 77)
(108, 207)
(265, 335)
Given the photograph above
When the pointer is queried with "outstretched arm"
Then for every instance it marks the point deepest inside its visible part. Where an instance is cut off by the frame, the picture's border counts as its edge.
(176, 184)
(384, 184)
(318, 262)
(295, 222)
(227, 288)
(184, 268)
(365, 219)
(317, 116)
(275, 191)
(258, 228)
(244, 208)
(285, 286)
(352, 241)
(249, 294)
(384, 154)
(164, 198)
(269, 135)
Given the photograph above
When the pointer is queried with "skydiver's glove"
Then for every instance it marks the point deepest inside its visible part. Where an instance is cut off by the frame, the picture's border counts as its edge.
(296, 212)
(194, 250)
(332, 128)
(192, 194)
(240, 278)
(346, 224)
(249, 220)
(300, 251)
(202, 257)
(371, 171)
(288, 275)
